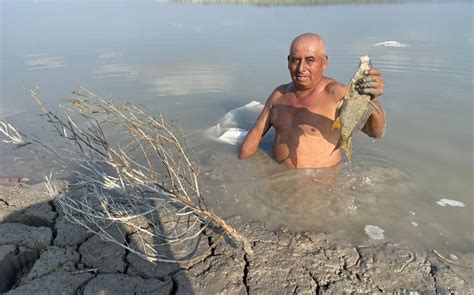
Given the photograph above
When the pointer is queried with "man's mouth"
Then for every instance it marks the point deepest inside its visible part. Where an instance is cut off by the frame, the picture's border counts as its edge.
(298, 77)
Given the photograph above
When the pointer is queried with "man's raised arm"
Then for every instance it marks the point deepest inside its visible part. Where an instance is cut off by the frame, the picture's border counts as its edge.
(260, 128)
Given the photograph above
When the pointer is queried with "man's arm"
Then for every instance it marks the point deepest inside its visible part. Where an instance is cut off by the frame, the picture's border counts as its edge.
(375, 125)
(260, 128)
(373, 84)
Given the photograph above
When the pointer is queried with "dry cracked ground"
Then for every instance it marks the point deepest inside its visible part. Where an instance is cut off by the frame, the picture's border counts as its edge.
(43, 253)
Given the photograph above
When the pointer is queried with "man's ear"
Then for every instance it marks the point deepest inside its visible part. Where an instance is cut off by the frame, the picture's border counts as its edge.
(325, 62)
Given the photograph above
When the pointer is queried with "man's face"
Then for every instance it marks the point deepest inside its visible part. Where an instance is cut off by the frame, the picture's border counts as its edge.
(306, 63)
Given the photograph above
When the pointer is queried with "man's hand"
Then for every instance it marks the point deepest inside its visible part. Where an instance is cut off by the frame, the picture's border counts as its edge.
(372, 84)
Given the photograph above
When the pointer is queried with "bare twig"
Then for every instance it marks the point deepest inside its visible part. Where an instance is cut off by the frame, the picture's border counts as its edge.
(146, 183)
(450, 261)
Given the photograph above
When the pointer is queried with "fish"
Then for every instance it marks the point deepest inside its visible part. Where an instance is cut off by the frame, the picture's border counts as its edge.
(354, 109)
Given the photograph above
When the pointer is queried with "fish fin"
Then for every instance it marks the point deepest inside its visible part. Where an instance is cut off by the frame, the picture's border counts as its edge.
(339, 106)
(337, 123)
(375, 107)
(338, 145)
(369, 110)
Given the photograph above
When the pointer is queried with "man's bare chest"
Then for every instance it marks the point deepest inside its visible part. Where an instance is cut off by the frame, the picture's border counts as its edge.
(302, 119)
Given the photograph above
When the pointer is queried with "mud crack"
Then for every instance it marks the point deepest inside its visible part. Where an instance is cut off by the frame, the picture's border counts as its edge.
(4, 202)
(245, 275)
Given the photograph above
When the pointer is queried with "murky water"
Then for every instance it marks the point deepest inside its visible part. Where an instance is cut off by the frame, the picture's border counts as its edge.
(198, 62)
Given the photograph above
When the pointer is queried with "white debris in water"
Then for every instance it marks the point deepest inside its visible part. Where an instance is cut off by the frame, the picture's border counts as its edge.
(454, 257)
(229, 117)
(374, 232)
(452, 203)
(391, 44)
(414, 223)
(413, 293)
(233, 136)
(366, 180)
(412, 213)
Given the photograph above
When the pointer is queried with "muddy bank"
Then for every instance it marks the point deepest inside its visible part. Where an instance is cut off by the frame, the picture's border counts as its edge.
(43, 253)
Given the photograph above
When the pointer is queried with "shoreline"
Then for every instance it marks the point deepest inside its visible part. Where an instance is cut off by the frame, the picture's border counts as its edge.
(43, 253)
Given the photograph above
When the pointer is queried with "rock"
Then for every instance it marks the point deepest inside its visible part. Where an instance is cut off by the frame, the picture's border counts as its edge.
(9, 214)
(53, 259)
(54, 283)
(6, 271)
(6, 250)
(69, 234)
(24, 235)
(14, 262)
(27, 196)
(27, 204)
(116, 284)
(105, 256)
(38, 215)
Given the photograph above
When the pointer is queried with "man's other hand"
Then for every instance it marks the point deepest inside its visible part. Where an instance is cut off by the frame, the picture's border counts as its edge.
(372, 84)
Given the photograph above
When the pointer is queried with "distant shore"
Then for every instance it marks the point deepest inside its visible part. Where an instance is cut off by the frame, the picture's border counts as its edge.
(304, 2)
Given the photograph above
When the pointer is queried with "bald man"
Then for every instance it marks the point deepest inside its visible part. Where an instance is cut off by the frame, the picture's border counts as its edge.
(303, 111)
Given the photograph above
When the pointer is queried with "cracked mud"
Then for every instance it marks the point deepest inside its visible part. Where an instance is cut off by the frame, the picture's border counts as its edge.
(43, 253)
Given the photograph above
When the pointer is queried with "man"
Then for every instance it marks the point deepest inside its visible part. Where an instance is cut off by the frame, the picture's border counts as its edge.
(303, 111)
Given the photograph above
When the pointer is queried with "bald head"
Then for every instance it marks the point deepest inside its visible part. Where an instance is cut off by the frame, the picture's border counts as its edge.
(309, 38)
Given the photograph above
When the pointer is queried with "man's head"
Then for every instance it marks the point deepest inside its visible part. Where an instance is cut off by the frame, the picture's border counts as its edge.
(307, 60)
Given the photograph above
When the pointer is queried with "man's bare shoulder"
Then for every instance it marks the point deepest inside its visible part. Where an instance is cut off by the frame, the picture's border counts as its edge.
(278, 93)
(335, 89)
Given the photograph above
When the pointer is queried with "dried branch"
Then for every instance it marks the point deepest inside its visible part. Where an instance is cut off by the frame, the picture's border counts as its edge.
(145, 186)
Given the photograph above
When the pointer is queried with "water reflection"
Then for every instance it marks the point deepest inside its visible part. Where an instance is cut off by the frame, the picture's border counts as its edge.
(105, 53)
(41, 61)
(116, 70)
(186, 79)
(113, 67)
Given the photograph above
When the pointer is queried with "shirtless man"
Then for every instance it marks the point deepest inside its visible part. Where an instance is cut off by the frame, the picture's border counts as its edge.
(303, 111)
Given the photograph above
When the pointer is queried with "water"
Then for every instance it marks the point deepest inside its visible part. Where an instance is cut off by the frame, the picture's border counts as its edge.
(196, 62)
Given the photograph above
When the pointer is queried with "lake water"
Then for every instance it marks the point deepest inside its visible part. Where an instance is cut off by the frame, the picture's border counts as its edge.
(197, 62)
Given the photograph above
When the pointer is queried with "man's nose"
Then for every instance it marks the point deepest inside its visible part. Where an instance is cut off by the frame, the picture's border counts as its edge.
(301, 66)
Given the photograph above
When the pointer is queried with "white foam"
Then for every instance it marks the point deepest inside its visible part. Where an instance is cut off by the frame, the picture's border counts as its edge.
(452, 203)
(233, 136)
(374, 232)
(391, 44)
(229, 117)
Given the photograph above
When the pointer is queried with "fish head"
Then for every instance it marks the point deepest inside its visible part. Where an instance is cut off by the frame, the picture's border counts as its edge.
(365, 63)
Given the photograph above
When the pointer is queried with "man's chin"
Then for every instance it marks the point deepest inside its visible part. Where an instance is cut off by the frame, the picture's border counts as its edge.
(301, 86)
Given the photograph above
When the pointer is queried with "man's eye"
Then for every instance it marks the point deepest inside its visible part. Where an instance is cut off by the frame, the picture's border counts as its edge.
(310, 60)
(293, 60)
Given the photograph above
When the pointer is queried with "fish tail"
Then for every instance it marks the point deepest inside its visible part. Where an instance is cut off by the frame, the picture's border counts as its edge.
(348, 148)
